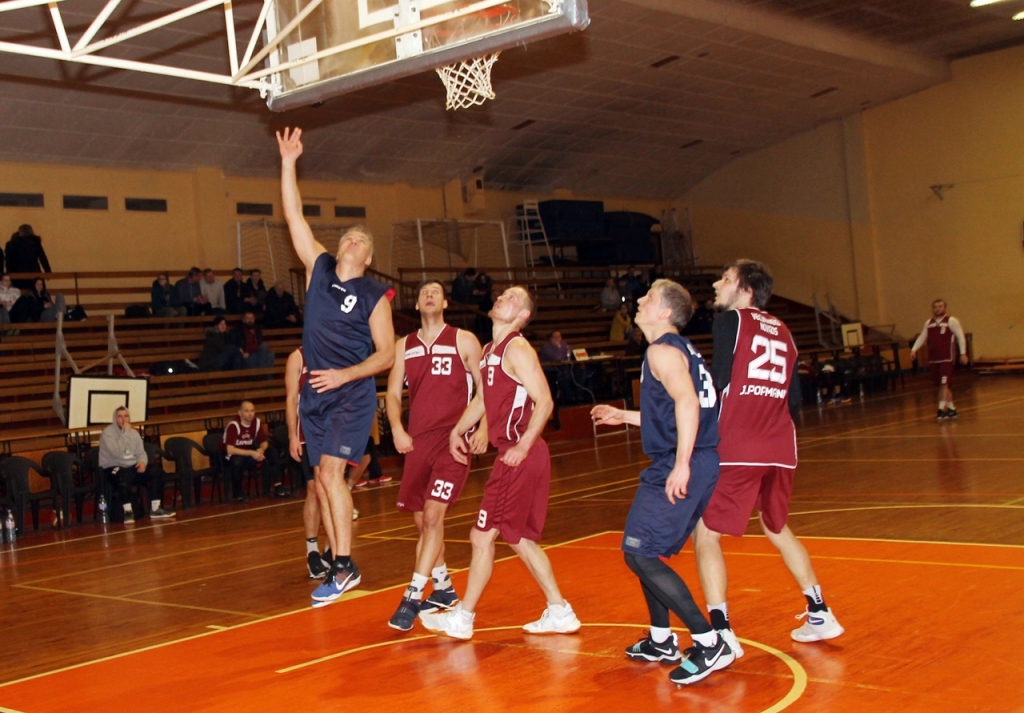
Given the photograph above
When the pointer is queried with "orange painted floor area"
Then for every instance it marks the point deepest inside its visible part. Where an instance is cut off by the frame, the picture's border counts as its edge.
(930, 627)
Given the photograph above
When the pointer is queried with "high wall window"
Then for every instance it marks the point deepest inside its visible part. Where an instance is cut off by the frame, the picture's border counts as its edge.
(21, 200)
(85, 202)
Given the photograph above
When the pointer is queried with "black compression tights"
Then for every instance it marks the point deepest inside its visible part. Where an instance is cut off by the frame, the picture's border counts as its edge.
(665, 590)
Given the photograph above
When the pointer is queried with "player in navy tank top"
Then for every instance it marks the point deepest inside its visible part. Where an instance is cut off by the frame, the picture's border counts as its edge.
(679, 431)
(441, 366)
(347, 338)
(517, 403)
(755, 371)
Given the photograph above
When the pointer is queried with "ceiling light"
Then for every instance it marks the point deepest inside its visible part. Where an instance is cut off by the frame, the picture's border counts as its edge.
(1018, 16)
(983, 3)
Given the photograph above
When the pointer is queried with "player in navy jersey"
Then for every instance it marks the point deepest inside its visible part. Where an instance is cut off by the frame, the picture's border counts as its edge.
(441, 365)
(348, 337)
(679, 431)
(755, 374)
(944, 337)
(517, 402)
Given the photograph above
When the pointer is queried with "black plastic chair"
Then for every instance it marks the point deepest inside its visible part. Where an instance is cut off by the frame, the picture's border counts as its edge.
(180, 449)
(279, 461)
(69, 479)
(156, 455)
(211, 446)
(15, 472)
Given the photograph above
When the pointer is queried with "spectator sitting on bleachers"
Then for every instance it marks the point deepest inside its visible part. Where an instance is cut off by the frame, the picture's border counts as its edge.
(554, 349)
(188, 294)
(212, 289)
(636, 283)
(611, 298)
(249, 338)
(281, 308)
(35, 305)
(219, 352)
(8, 296)
(25, 254)
(124, 462)
(483, 287)
(257, 289)
(237, 293)
(462, 287)
(160, 298)
(622, 324)
(703, 318)
(482, 325)
(637, 344)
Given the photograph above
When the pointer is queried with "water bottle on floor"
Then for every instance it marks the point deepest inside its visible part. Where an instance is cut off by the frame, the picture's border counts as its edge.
(104, 514)
(10, 530)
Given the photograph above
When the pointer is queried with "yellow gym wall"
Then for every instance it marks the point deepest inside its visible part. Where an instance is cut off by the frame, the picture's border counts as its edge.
(199, 227)
(848, 209)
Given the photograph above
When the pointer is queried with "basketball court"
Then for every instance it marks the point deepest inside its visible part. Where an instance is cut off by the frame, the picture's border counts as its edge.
(914, 526)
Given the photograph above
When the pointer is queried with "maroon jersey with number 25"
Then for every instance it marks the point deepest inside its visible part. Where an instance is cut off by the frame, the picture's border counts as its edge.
(754, 422)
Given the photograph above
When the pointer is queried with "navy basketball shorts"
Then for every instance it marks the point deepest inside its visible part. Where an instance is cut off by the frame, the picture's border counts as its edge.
(515, 500)
(430, 472)
(338, 426)
(657, 528)
(745, 488)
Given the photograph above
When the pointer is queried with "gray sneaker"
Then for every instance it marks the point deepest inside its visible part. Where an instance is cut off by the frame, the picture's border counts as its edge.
(161, 514)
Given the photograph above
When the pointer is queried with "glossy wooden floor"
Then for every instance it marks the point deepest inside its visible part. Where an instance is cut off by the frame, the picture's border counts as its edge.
(916, 529)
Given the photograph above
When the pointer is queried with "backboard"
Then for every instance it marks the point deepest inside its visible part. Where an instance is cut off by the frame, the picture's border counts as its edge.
(322, 48)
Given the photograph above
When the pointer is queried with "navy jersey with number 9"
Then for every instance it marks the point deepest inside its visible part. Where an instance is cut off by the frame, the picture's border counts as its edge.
(337, 325)
(658, 411)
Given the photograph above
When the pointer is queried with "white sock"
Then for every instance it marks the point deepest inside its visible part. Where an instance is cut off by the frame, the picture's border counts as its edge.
(950, 406)
(706, 640)
(311, 545)
(440, 577)
(468, 616)
(560, 609)
(814, 593)
(155, 505)
(942, 405)
(419, 583)
(660, 634)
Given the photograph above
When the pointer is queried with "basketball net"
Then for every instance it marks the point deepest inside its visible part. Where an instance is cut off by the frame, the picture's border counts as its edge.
(468, 82)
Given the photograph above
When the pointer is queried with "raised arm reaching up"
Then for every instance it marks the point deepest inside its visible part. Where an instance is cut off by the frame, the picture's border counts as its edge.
(289, 142)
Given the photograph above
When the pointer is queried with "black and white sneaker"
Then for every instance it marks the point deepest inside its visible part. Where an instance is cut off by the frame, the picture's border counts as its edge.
(404, 618)
(699, 662)
(951, 413)
(318, 569)
(647, 650)
(439, 600)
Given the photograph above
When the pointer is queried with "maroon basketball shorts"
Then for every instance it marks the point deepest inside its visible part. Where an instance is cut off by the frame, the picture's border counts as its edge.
(430, 472)
(942, 372)
(742, 489)
(516, 499)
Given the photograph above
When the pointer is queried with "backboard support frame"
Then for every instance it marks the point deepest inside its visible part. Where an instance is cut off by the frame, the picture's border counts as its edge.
(565, 16)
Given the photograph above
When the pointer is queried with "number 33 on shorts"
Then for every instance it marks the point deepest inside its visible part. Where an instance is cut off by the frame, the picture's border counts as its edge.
(442, 489)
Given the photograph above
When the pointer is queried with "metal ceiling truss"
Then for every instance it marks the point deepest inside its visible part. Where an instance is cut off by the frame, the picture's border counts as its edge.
(244, 73)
